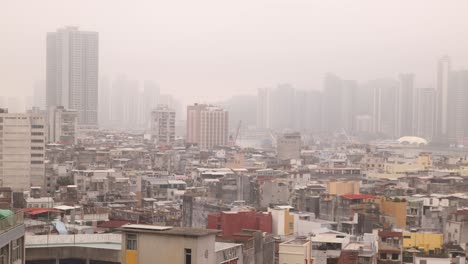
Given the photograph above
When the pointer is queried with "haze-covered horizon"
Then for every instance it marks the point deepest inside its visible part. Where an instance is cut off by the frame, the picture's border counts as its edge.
(209, 50)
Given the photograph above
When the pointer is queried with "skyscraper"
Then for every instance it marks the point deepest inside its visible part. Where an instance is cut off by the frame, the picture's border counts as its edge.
(442, 105)
(72, 72)
(425, 113)
(339, 103)
(276, 107)
(457, 121)
(384, 112)
(207, 126)
(163, 125)
(405, 105)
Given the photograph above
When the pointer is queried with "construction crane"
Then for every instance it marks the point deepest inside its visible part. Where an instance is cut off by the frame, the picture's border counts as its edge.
(234, 141)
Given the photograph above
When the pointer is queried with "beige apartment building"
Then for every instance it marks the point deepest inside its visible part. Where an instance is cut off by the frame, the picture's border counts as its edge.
(295, 251)
(63, 125)
(207, 126)
(163, 125)
(162, 244)
(22, 144)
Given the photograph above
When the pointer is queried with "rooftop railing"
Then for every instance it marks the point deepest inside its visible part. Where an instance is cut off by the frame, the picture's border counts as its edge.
(11, 221)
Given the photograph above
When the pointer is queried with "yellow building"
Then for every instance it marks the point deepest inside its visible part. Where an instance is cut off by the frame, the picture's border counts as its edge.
(282, 220)
(423, 241)
(395, 208)
(425, 159)
(144, 244)
(343, 187)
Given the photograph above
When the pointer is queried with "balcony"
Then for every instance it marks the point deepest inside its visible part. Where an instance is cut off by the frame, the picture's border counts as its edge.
(11, 221)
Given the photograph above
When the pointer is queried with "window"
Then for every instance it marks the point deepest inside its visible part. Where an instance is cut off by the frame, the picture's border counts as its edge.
(383, 256)
(4, 254)
(37, 141)
(36, 162)
(37, 148)
(188, 256)
(16, 250)
(395, 256)
(37, 134)
(131, 242)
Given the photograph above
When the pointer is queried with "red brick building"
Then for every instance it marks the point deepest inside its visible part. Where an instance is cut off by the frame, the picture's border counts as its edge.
(233, 222)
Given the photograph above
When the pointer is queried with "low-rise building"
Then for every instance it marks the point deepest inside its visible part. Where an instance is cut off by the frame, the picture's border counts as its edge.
(161, 244)
(294, 251)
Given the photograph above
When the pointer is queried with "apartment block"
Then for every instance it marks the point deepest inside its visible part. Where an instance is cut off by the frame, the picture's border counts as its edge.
(22, 142)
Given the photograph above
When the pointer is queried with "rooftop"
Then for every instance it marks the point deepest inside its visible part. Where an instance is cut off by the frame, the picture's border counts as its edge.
(168, 230)
(296, 242)
(358, 196)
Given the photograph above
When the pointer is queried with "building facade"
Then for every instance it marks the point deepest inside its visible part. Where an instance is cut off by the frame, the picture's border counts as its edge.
(63, 125)
(207, 126)
(22, 138)
(163, 125)
(288, 146)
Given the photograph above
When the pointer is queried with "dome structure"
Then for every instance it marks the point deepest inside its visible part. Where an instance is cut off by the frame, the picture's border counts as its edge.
(409, 140)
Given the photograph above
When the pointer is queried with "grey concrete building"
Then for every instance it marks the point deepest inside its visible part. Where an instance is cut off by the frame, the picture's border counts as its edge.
(72, 72)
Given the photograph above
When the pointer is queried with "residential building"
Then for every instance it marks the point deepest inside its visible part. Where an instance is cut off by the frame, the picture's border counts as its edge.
(283, 221)
(12, 238)
(207, 126)
(163, 125)
(458, 95)
(343, 187)
(427, 242)
(288, 146)
(442, 105)
(405, 105)
(384, 111)
(426, 113)
(72, 72)
(22, 149)
(164, 244)
(63, 125)
(390, 247)
(294, 251)
(233, 222)
(326, 247)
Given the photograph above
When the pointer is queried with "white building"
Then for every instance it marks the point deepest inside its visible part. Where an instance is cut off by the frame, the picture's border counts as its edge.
(72, 72)
(63, 125)
(22, 138)
(207, 126)
(163, 125)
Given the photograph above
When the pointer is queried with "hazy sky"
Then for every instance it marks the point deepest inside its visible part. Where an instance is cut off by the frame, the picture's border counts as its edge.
(210, 49)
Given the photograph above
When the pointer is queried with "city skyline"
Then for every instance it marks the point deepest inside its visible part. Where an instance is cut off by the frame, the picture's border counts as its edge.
(216, 64)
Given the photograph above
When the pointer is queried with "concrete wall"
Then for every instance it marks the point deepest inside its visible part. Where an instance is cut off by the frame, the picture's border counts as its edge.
(396, 210)
(292, 254)
(424, 241)
(160, 248)
(343, 187)
(72, 252)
